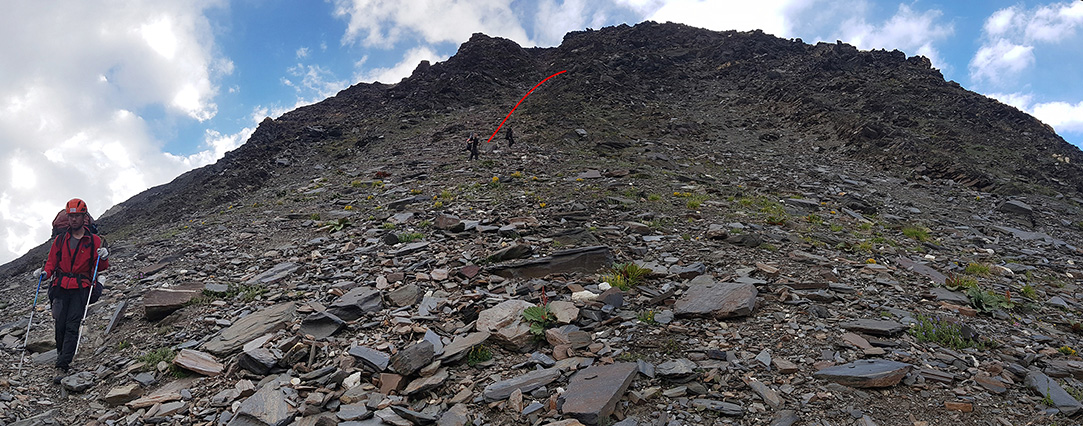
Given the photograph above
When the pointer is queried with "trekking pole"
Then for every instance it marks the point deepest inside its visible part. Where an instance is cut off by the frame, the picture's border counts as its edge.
(30, 322)
(82, 325)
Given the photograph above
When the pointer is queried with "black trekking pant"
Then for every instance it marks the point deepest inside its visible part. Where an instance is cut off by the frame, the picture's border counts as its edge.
(68, 307)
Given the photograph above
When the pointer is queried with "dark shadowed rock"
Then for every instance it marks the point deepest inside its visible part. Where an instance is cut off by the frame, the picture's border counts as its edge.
(866, 373)
(356, 303)
(407, 361)
(705, 297)
(250, 327)
(525, 383)
(160, 302)
(593, 393)
(321, 324)
(585, 260)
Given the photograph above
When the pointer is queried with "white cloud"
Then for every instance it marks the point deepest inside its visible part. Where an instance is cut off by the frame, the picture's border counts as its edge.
(403, 69)
(909, 30)
(1011, 35)
(76, 75)
(1000, 61)
(302, 53)
(1062, 116)
(383, 23)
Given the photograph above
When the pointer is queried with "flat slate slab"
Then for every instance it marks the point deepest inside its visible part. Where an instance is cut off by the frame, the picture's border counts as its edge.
(357, 302)
(459, 347)
(586, 260)
(866, 373)
(372, 358)
(274, 274)
(160, 302)
(875, 327)
(593, 393)
(528, 382)
(1045, 387)
(199, 362)
(705, 297)
(250, 327)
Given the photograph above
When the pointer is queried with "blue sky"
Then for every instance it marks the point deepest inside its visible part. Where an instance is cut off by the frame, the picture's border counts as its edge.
(100, 99)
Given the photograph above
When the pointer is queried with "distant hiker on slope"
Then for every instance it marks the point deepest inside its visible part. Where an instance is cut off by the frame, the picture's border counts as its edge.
(509, 137)
(74, 260)
(472, 146)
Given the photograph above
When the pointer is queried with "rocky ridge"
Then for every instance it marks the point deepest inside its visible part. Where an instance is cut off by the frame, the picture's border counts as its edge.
(376, 277)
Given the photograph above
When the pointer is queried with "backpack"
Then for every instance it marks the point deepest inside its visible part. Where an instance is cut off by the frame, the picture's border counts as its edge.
(60, 224)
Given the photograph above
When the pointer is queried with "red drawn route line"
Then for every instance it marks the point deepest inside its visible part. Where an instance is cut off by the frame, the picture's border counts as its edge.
(521, 101)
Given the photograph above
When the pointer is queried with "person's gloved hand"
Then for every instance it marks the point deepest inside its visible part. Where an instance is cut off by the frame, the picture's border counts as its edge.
(103, 253)
(38, 274)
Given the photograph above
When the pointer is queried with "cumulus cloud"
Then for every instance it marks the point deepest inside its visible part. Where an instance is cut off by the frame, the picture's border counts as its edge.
(912, 31)
(771, 16)
(1062, 116)
(1011, 35)
(403, 69)
(376, 23)
(77, 78)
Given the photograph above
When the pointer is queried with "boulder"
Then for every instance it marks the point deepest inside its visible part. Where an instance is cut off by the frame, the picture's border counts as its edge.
(199, 362)
(321, 325)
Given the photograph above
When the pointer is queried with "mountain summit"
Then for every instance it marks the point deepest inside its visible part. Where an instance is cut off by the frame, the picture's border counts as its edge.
(692, 227)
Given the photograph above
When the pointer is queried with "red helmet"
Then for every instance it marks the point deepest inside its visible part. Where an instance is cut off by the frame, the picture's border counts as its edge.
(75, 206)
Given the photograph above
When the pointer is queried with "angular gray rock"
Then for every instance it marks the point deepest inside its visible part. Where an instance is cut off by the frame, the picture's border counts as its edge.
(676, 370)
(406, 295)
(322, 325)
(687, 272)
(1045, 387)
(527, 382)
(425, 384)
(79, 382)
(276, 273)
(250, 327)
(412, 358)
(866, 373)
(705, 297)
(357, 302)
(267, 407)
(1016, 207)
(258, 360)
(372, 358)
(593, 393)
(461, 345)
(123, 394)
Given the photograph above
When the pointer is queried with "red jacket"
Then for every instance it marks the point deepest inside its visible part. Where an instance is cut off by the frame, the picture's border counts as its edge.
(73, 269)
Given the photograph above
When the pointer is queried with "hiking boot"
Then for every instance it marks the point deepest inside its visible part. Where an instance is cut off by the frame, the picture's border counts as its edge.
(58, 379)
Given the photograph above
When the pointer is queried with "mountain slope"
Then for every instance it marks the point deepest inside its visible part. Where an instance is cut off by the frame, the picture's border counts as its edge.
(841, 195)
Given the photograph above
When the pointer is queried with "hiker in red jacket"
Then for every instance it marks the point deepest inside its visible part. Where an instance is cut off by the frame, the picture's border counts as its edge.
(71, 266)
